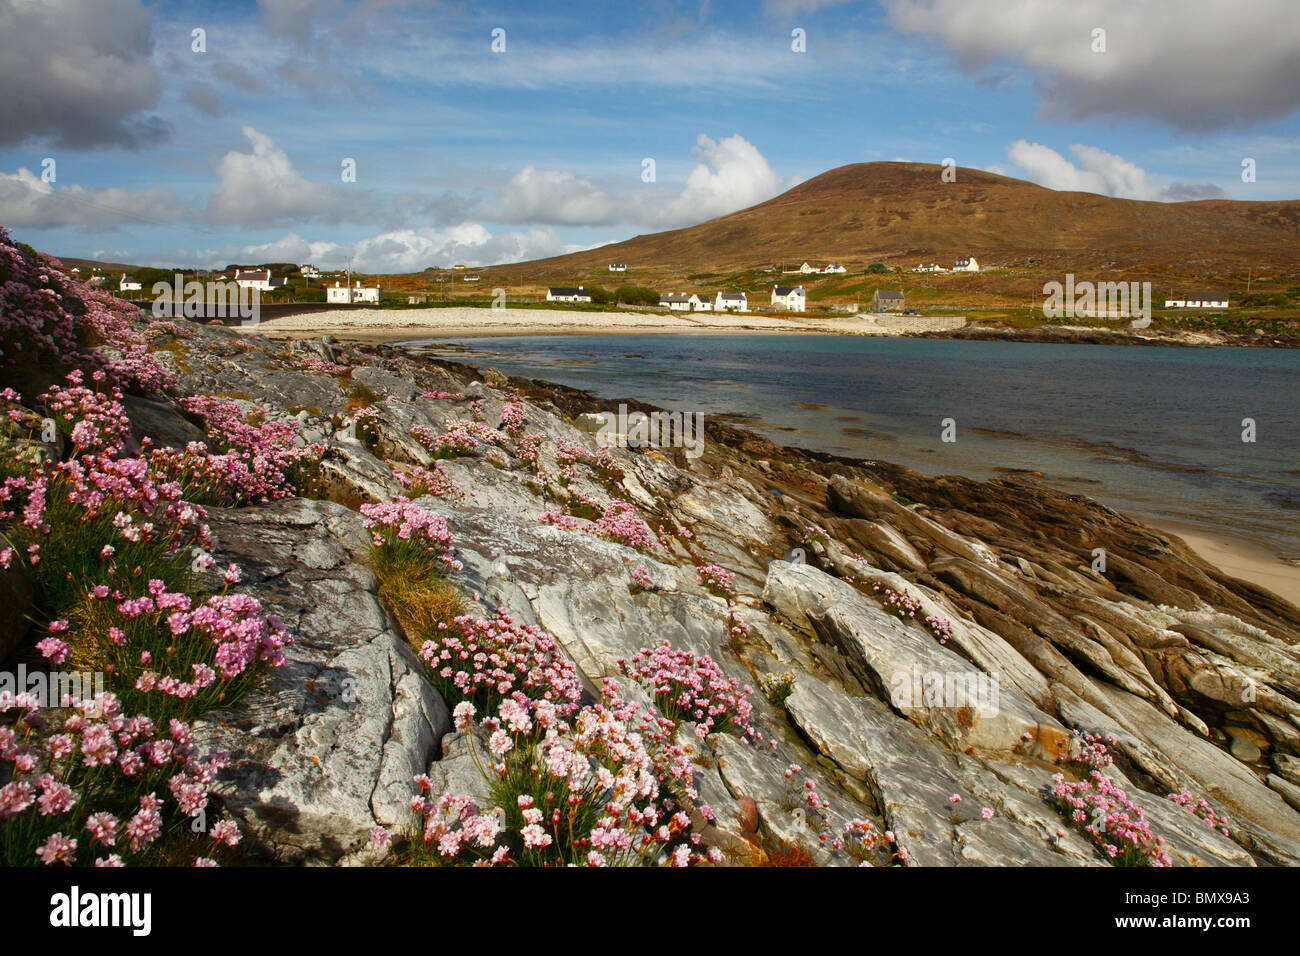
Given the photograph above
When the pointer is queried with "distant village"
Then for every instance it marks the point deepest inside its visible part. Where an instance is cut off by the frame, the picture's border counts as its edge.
(791, 298)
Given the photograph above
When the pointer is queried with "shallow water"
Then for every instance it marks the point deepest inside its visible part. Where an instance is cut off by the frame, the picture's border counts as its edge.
(1155, 431)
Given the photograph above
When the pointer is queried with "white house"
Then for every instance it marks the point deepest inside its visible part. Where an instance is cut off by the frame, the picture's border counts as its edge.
(808, 268)
(790, 298)
(339, 293)
(567, 294)
(701, 304)
(930, 267)
(730, 301)
(125, 285)
(966, 264)
(259, 279)
(835, 267)
(309, 271)
(677, 303)
(617, 267)
(1199, 300)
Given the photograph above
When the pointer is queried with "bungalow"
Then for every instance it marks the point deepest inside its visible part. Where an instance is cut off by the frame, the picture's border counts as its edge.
(887, 301)
(125, 285)
(835, 267)
(567, 294)
(1199, 300)
(344, 295)
(966, 264)
(733, 301)
(471, 278)
(677, 303)
(617, 267)
(790, 298)
(930, 267)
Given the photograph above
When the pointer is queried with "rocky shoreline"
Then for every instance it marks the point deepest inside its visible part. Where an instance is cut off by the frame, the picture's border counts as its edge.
(1160, 650)
(864, 592)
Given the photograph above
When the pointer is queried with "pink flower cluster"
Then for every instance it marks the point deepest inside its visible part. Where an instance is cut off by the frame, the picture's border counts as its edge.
(623, 524)
(93, 497)
(232, 623)
(461, 437)
(271, 449)
(595, 792)
(1114, 824)
(34, 320)
(423, 481)
(68, 779)
(512, 415)
(905, 607)
(717, 579)
(399, 521)
(687, 687)
(1089, 751)
(488, 661)
(97, 422)
(1201, 809)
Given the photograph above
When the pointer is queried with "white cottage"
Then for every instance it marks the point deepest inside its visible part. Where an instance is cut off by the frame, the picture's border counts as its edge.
(559, 293)
(342, 294)
(790, 298)
(730, 302)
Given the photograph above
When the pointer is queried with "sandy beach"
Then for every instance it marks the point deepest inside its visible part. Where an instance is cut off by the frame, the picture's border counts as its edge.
(1241, 558)
(375, 325)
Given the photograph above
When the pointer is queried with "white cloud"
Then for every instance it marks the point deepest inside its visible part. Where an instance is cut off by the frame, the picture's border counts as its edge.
(403, 250)
(553, 196)
(264, 188)
(78, 72)
(731, 174)
(27, 201)
(1101, 172)
(1196, 64)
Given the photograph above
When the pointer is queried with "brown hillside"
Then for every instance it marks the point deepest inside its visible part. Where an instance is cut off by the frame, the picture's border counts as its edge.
(902, 213)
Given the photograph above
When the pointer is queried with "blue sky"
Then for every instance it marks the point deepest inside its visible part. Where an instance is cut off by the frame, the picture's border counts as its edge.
(167, 155)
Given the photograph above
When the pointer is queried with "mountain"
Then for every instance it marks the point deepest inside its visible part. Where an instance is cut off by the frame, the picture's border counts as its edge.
(903, 214)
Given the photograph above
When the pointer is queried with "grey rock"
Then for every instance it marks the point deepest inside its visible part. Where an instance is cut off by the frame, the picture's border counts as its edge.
(326, 747)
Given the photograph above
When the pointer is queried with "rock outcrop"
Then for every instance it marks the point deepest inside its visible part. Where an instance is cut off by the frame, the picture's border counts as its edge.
(1196, 675)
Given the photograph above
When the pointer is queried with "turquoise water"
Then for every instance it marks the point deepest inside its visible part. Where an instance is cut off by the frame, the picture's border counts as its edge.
(1154, 431)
